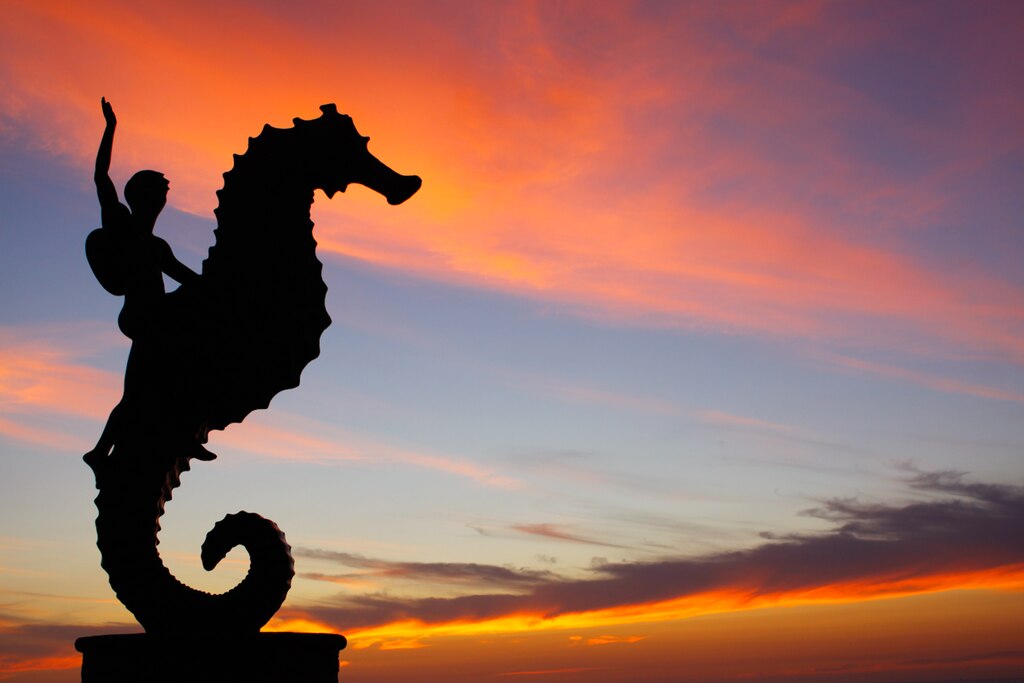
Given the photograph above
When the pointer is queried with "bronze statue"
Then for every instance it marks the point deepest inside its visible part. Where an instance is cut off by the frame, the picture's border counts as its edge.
(208, 353)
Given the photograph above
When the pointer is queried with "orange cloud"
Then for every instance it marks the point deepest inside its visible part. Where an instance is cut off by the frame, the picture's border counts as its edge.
(610, 640)
(297, 625)
(962, 634)
(13, 665)
(613, 187)
(702, 604)
(550, 672)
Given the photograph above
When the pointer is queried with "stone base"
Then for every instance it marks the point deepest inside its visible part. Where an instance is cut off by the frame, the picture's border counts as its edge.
(256, 658)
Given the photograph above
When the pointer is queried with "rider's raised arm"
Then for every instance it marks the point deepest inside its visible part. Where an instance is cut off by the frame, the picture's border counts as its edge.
(104, 186)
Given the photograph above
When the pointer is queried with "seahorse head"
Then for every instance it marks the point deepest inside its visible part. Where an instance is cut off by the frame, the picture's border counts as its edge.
(342, 157)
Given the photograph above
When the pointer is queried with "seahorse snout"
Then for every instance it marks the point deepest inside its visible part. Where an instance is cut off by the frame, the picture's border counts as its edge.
(407, 186)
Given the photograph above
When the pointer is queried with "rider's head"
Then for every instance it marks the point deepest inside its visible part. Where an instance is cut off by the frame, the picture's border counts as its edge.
(146, 192)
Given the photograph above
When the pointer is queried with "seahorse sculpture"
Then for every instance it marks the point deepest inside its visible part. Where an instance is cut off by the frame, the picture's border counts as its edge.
(222, 346)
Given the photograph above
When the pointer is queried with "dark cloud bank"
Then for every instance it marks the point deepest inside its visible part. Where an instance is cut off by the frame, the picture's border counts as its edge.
(956, 527)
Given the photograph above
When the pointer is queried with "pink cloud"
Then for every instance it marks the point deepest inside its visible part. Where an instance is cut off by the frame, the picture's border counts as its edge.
(552, 531)
(48, 438)
(931, 381)
(636, 170)
(42, 378)
(39, 377)
(611, 640)
(290, 437)
(717, 417)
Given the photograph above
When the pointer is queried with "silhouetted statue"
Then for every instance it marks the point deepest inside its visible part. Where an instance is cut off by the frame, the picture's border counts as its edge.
(208, 353)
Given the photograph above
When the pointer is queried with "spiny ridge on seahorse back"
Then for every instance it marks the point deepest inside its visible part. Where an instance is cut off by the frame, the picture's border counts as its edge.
(279, 303)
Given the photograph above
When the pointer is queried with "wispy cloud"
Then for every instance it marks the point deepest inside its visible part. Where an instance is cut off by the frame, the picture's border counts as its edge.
(13, 664)
(444, 572)
(553, 532)
(288, 437)
(580, 393)
(43, 374)
(577, 392)
(723, 419)
(13, 429)
(924, 379)
(291, 437)
(553, 672)
(37, 375)
(609, 640)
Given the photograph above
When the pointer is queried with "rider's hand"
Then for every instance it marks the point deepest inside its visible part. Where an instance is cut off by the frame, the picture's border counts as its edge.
(108, 112)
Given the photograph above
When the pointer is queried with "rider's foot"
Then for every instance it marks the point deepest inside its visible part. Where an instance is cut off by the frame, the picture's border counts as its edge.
(199, 452)
(94, 458)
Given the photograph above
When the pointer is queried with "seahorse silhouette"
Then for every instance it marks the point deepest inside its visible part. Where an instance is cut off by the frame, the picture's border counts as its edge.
(222, 346)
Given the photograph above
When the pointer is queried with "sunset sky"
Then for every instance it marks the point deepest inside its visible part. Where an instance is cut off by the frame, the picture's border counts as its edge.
(698, 357)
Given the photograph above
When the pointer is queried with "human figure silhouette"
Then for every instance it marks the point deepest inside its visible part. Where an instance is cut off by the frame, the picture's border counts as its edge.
(128, 259)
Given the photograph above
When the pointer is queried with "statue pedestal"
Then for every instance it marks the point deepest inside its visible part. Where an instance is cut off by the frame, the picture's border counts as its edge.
(255, 658)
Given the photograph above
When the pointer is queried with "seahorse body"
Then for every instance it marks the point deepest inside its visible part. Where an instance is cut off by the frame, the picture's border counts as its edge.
(223, 346)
